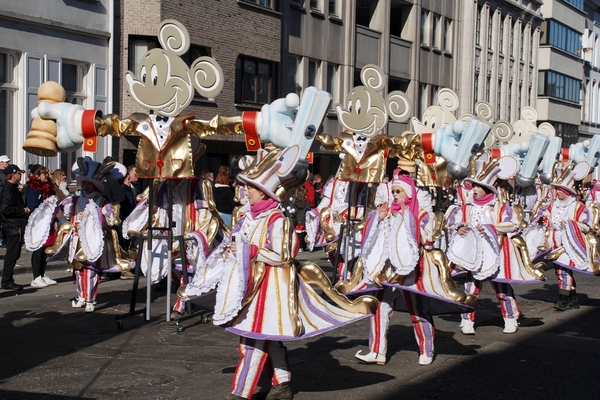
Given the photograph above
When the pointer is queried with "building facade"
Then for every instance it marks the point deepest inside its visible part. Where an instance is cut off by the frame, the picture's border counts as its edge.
(499, 56)
(561, 69)
(590, 112)
(68, 42)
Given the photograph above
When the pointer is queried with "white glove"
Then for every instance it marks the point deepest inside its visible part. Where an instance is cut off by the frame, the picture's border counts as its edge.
(70, 121)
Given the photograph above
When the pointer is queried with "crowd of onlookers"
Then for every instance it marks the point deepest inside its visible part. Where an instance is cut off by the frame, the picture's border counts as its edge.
(18, 201)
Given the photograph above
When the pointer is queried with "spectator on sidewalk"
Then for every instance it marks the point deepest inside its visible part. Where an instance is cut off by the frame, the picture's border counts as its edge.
(4, 161)
(301, 206)
(59, 180)
(223, 195)
(318, 185)
(13, 215)
(39, 188)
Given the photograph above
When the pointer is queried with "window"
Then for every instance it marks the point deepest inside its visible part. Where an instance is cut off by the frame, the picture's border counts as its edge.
(364, 12)
(522, 46)
(293, 75)
(531, 48)
(477, 27)
(476, 90)
(399, 17)
(501, 38)
(560, 86)
(490, 29)
(437, 34)
(576, 3)
(512, 41)
(424, 27)
(448, 35)
(509, 113)
(569, 133)
(316, 5)
(272, 4)
(422, 99)
(72, 81)
(254, 80)
(519, 97)
(433, 98)
(498, 99)
(332, 83)
(335, 8)
(138, 46)
(488, 83)
(559, 35)
(7, 91)
(314, 73)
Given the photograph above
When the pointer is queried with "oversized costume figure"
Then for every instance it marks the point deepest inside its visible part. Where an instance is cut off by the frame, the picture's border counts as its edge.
(169, 140)
(263, 295)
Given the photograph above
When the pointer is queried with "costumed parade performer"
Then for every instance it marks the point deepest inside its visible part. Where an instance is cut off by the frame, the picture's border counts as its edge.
(263, 295)
(414, 280)
(474, 239)
(87, 236)
(39, 188)
(566, 225)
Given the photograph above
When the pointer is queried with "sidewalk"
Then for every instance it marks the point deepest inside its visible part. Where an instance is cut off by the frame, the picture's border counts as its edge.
(53, 351)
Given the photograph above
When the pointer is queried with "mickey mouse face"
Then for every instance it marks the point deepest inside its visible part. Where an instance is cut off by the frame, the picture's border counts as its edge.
(164, 83)
(365, 112)
(158, 87)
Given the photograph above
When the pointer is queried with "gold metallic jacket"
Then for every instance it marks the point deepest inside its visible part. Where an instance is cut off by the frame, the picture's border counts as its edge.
(176, 158)
(370, 168)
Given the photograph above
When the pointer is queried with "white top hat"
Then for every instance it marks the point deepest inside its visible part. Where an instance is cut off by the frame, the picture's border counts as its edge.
(488, 171)
(271, 173)
(570, 174)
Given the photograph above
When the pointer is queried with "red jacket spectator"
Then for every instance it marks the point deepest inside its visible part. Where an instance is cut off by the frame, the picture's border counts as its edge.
(310, 191)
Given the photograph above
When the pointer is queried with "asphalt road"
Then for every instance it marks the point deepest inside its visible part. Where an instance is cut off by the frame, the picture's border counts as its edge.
(49, 350)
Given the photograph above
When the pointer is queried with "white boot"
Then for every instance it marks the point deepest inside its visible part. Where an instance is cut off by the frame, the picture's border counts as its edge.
(78, 303)
(425, 360)
(510, 325)
(371, 358)
(90, 307)
(466, 326)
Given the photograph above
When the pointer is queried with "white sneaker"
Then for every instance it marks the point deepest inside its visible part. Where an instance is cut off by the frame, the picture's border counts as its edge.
(38, 282)
(466, 327)
(49, 281)
(510, 325)
(89, 307)
(425, 360)
(78, 303)
(371, 358)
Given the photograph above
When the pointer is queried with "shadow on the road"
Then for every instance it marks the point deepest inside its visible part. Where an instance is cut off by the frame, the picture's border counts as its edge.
(12, 395)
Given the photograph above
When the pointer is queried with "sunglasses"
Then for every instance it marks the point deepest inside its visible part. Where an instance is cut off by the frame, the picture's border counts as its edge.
(397, 191)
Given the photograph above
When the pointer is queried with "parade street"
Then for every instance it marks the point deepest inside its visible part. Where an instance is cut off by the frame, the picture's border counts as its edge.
(50, 350)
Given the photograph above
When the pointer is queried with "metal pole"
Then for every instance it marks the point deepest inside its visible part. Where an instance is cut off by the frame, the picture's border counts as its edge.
(151, 201)
(170, 246)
